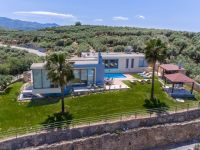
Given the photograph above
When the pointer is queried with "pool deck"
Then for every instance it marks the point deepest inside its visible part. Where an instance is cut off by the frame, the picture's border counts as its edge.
(118, 83)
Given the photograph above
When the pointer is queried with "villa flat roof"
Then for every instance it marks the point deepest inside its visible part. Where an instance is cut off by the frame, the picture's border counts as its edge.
(37, 65)
(120, 54)
(75, 61)
(112, 54)
(83, 60)
(91, 58)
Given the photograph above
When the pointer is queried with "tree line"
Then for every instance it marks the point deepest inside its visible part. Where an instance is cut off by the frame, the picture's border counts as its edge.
(14, 62)
(183, 47)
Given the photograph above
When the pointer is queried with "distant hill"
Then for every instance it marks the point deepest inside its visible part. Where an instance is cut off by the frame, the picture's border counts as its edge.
(23, 25)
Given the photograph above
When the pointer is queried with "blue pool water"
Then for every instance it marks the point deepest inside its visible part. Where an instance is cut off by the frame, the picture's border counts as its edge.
(114, 75)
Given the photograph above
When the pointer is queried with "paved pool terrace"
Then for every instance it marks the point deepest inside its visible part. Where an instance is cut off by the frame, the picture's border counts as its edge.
(118, 81)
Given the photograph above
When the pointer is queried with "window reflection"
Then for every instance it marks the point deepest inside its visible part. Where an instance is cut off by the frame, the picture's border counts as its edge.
(111, 63)
(37, 79)
(84, 76)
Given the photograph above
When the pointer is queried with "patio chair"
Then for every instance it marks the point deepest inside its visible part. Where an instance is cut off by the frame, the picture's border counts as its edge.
(147, 76)
(143, 73)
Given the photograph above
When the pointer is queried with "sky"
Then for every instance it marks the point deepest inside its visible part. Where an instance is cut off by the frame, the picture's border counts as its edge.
(167, 14)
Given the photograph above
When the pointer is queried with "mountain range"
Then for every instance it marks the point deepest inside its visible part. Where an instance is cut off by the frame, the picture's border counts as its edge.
(14, 24)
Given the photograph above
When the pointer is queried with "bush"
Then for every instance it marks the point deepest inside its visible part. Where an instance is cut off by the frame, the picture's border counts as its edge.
(60, 43)
(78, 23)
(118, 48)
(4, 81)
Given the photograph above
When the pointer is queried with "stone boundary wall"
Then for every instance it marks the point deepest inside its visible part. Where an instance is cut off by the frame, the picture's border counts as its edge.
(136, 139)
(52, 137)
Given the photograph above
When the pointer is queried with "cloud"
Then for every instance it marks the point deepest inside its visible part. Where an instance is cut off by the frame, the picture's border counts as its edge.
(140, 17)
(46, 13)
(120, 18)
(98, 20)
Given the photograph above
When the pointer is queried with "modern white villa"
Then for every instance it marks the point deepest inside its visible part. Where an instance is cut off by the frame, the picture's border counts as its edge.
(121, 62)
(89, 69)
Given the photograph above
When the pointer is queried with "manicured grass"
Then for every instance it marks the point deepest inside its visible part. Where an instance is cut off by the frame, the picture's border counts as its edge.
(137, 76)
(15, 114)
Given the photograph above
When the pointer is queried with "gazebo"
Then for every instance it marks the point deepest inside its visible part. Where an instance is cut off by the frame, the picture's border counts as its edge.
(170, 69)
(179, 78)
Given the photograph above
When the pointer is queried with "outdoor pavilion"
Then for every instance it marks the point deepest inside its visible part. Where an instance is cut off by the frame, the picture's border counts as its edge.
(179, 78)
(171, 69)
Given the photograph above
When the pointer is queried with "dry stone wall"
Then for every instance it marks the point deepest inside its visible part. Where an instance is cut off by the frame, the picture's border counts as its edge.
(135, 139)
(102, 131)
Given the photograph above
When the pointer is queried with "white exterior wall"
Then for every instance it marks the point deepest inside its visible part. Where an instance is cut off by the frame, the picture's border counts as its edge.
(122, 65)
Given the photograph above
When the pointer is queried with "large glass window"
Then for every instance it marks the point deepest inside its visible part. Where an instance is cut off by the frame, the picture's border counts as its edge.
(86, 76)
(40, 79)
(37, 78)
(111, 63)
(142, 62)
(45, 81)
(132, 63)
(76, 74)
(127, 63)
(91, 75)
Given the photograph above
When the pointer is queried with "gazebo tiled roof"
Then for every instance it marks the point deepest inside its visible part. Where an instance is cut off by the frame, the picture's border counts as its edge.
(178, 78)
(171, 67)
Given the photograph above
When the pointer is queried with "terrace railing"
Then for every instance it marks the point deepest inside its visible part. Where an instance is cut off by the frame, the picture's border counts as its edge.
(109, 118)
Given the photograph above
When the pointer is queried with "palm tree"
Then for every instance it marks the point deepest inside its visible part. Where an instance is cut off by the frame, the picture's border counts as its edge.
(155, 51)
(59, 71)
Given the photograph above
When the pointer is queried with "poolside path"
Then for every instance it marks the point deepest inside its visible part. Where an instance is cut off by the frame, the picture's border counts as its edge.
(118, 83)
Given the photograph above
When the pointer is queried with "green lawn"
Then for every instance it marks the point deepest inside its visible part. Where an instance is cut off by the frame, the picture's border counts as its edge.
(137, 76)
(15, 114)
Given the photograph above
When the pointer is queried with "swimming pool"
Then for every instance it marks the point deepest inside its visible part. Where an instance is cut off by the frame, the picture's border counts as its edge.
(114, 75)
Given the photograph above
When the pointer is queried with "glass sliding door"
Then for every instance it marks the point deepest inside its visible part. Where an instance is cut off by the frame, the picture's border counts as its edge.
(37, 78)
(76, 76)
(91, 76)
(83, 76)
(45, 81)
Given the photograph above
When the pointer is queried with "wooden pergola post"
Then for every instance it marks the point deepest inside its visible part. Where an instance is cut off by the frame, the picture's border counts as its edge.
(172, 87)
(192, 88)
(163, 73)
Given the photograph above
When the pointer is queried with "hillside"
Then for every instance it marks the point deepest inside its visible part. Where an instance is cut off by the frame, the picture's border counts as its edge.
(22, 25)
(183, 47)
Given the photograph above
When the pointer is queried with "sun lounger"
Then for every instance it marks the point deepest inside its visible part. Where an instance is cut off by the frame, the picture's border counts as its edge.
(143, 73)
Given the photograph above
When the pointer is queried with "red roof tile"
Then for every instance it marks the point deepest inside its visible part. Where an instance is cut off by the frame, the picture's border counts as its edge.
(178, 78)
(171, 67)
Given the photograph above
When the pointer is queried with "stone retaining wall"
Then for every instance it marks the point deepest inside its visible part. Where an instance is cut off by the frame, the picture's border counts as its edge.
(89, 131)
(135, 139)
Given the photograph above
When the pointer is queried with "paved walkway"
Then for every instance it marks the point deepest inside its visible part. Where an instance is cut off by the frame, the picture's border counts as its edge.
(118, 83)
(33, 51)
